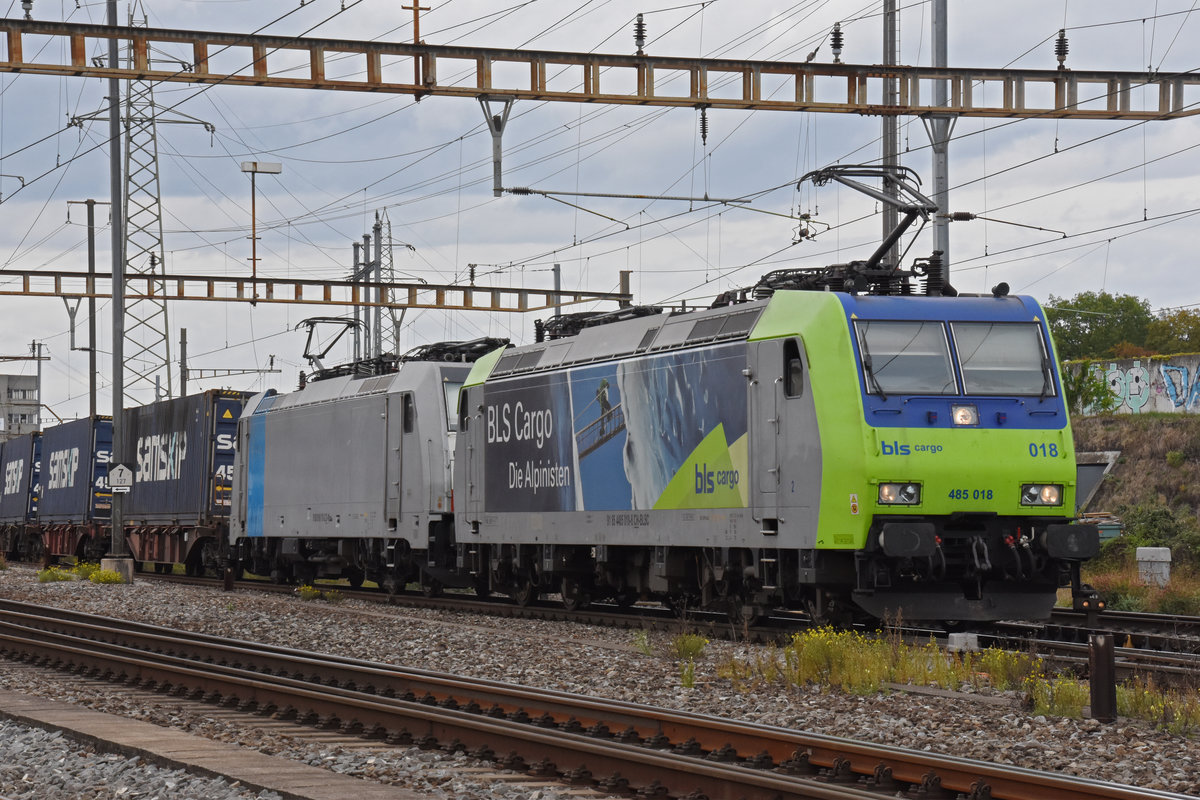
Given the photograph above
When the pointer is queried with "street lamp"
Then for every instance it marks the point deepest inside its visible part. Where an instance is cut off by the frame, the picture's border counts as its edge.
(254, 168)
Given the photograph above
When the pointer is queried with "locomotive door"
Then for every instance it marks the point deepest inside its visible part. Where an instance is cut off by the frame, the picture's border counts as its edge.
(785, 450)
(397, 407)
(765, 401)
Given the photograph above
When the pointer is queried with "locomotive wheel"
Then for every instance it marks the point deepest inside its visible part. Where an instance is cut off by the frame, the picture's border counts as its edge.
(355, 578)
(482, 588)
(574, 597)
(524, 593)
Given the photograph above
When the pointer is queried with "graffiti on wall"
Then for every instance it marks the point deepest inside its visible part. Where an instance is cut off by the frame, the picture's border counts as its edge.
(1167, 384)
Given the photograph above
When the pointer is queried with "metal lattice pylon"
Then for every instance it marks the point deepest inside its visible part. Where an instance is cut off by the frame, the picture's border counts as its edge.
(392, 320)
(147, 341)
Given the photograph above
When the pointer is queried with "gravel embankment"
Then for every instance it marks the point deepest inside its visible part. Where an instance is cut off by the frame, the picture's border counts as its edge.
(595, 661)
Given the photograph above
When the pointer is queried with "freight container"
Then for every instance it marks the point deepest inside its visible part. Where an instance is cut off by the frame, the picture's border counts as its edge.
(75, 459)
(20, 467)
(181, 454)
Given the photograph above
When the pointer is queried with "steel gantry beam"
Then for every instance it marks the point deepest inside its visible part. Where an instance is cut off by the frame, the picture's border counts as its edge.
(140, 286)
(236, 59)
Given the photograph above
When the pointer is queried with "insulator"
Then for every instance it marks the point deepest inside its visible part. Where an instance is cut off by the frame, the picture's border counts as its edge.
(27, 5)
(539, 331)
(1060, 49)
(471, 270)
(639, 34)
(836, 41)
(961, 216)
(704, 126)
(934, 275)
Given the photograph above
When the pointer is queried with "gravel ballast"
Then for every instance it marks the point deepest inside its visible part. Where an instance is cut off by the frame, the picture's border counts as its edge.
(600, 662)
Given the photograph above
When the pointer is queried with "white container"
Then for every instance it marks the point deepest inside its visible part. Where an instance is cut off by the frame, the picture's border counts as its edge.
(1154, 565)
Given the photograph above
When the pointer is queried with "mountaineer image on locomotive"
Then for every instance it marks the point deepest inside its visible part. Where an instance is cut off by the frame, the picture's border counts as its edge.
(847, 454)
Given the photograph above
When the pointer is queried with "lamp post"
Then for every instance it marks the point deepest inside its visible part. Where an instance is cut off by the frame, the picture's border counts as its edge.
(254, 168)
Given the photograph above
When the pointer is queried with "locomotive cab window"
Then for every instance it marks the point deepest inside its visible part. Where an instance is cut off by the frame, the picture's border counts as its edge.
(1003, 358)
(409, 413)
(793, 369)
(451, 389)
(905, 357)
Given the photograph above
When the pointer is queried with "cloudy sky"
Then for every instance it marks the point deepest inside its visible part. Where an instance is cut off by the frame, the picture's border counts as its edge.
(1124, 194)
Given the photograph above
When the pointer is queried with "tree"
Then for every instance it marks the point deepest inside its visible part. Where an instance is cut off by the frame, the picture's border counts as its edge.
(1175, 333)
(1093, 324)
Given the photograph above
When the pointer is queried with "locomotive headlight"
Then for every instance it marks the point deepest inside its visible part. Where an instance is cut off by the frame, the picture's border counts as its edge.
(899, 494)
(1041, 494)
(965, 416)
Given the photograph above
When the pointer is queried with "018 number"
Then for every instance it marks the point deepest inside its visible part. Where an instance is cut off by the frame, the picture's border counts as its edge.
(1043, 450)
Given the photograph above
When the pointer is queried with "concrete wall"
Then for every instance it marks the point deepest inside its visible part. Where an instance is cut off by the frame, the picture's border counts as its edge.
(1156, 383)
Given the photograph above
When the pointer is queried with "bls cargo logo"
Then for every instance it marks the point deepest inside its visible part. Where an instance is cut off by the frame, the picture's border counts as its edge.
(707, 480)
(896, 449)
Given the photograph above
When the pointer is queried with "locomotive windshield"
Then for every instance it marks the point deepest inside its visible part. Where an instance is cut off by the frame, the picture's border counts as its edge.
(902, 357)
(994, 358)
(1002, 358)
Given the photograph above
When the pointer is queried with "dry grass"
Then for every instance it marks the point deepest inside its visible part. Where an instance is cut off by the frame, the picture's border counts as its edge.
(1123, 591)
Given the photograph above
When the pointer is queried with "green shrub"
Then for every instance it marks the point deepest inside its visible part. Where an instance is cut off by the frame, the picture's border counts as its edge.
(1179, 600)
(1060, 697)
(687, 674)
(1007, 670)
(85, 570)
(106, 576)
(641, 640)
(1175, 458)
(1086, 389)
(3, 562)
(688, 646)
(308, 592)
(53, 574)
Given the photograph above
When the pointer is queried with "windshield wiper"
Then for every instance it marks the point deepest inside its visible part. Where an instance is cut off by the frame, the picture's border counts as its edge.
(1046, 385)
(872, 381)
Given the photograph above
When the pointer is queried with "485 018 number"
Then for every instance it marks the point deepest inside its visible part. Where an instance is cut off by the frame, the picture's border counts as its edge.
(970, 494)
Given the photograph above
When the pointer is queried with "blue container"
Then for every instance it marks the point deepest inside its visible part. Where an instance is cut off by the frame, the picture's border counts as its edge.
(19, 471)
(75, 458)
(181, 454)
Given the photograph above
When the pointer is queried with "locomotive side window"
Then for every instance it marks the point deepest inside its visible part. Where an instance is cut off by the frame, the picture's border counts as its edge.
(409, 413)
(793, 369)
(451, 388)
(1003, 358)
(464, 416)
(905, 357)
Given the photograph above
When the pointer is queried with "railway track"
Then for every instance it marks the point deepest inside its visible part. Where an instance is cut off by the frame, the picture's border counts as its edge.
(1144, 647)
(616, 747)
